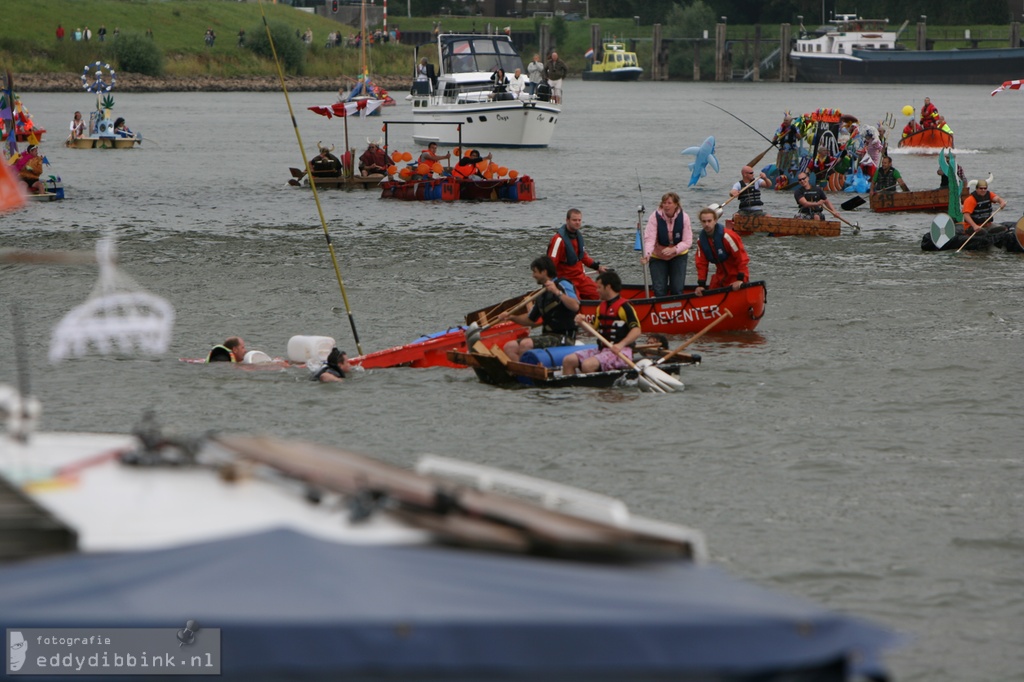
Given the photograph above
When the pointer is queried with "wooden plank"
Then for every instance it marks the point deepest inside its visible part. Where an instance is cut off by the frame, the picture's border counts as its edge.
(481, 348)
(497, 352)
(783, 227)
(924, 200)
(535, 372)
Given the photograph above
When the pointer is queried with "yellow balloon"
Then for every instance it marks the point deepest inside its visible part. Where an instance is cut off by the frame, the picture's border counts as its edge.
(908, 110)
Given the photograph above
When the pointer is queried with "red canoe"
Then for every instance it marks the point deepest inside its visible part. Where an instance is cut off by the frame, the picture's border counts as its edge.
(689, 313)
(431, 351)
(684, 314)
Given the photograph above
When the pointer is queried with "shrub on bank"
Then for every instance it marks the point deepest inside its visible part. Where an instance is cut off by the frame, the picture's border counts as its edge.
(290, 48)
(138, 54)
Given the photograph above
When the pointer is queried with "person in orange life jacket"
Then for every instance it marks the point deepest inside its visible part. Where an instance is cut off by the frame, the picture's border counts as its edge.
(723, 247)
(556, 309)
(335, 369)
(617, 322)
(750, 198)
(977, 207)
(232, 350)
(467, 168)
(667, 240)
(430, 155)
(567, 250)
(29, 166)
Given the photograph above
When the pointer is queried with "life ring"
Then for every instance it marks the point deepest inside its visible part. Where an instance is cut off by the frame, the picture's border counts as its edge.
(98, 85)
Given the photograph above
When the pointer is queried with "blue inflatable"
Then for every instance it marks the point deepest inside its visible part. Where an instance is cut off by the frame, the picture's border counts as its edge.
(551, 357)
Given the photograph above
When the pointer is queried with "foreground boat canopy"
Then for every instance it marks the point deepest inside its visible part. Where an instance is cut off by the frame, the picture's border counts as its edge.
(326, 610)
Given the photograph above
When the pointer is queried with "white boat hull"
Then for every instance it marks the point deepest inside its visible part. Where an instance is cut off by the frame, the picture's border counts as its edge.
(486, 124)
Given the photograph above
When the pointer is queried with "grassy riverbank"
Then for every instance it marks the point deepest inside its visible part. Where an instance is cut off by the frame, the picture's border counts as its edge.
(28, 44)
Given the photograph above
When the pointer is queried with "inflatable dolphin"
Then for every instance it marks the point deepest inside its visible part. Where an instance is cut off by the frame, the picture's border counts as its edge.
(705, 155)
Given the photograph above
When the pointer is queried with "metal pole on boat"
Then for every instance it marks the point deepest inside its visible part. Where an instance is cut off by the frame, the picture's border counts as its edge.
(312, 182)
(640, 210)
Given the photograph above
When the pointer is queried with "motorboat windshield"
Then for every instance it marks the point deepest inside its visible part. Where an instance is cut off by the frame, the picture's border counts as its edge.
(471, 54)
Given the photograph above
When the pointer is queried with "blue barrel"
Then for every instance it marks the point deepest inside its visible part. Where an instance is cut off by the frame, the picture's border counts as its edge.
(551, 357)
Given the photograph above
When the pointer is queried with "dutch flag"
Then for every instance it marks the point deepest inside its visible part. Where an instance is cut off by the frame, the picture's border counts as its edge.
(589, 54)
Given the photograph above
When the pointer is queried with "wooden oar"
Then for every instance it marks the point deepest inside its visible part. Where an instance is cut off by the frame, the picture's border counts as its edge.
(474, 331)
(702, 332)
(971, 236)
(856, 228)
(660, 381)
(718, 208)
(753, 162)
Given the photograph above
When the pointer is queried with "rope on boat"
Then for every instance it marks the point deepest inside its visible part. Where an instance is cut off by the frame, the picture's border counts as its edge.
(312, 182)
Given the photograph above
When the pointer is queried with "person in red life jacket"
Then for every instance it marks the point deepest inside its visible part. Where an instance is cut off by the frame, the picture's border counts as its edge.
(617, 322)
(567, 250)
(467, 168)
(667, 240)
(929, 114)
(232, 350)
(555, 309)
(374, 161)
(723, 247)
(977, 207)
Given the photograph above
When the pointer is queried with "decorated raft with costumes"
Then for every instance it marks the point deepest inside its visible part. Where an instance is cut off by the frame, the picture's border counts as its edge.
(686, 313)
(473, 178)
(28, 166)
(745, 224)
(103, 130)
(830, 146)
(457, 189)
(333, 171)
(15, 115)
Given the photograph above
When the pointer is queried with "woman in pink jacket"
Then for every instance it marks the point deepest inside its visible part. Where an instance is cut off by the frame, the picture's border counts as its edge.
(667, 240)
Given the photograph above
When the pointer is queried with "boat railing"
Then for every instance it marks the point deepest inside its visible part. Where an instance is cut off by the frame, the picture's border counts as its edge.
(466, 92)
(561, 498)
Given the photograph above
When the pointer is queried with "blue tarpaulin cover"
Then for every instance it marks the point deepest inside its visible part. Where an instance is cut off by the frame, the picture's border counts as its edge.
(290, 605)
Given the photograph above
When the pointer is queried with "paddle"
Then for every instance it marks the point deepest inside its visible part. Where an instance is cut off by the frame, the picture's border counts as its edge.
(753, 162)
(702, 332)
(718, 209)
(474, 331)
(856, 228)
(971, 236)
(658, 380)
(853, 203)
(943, 229)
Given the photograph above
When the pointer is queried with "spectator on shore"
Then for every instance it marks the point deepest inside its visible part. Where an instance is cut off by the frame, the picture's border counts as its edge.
(60, 32)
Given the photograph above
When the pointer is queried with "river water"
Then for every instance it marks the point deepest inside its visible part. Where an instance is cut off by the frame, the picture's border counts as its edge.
(858, 449)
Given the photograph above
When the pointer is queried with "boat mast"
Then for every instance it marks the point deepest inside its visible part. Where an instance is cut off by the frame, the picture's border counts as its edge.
(363, 39)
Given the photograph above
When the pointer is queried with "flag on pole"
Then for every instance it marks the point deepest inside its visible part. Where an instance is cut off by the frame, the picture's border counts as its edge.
(589, 54)
(364, 107)
(1008, 85)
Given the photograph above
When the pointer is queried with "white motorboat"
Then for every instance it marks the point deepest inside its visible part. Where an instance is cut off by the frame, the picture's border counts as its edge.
(464, 94)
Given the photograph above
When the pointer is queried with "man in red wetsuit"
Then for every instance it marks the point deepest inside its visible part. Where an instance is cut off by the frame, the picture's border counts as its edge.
(567, 250)
(723, 247)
